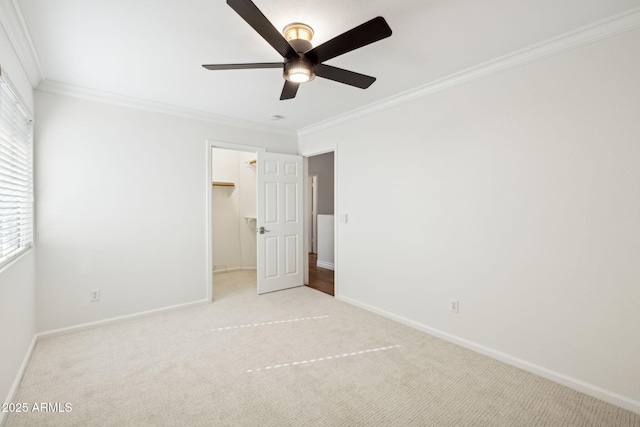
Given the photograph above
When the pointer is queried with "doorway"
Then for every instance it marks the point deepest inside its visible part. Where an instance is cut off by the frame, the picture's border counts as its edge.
(233, 215)
(321, 220)
(313, 210)
(276, 223)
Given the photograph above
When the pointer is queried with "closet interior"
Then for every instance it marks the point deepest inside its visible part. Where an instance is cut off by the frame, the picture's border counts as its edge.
(233, 208)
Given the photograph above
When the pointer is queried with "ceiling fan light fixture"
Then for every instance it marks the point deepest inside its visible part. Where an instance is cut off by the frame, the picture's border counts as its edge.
(299, 70)
(302, 61)
(298, 31)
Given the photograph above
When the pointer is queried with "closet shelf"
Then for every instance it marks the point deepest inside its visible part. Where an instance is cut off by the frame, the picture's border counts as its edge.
(222, 184)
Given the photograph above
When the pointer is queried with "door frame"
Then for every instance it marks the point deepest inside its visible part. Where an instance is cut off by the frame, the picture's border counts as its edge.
(313, 227)
(306, 153)
(209, 145)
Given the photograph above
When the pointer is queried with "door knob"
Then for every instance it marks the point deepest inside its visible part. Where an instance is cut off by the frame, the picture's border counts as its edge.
(262, 230)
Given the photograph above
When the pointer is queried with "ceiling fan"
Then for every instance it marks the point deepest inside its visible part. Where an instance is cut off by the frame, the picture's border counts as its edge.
(303, 62)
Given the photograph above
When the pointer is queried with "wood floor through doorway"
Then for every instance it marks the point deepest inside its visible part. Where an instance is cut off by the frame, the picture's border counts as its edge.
(320, 278)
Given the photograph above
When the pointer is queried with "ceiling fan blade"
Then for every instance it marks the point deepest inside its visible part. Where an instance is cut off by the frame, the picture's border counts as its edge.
(243, 66)
(344, 76)
(362, 35)
(289, 90)
(250, 13)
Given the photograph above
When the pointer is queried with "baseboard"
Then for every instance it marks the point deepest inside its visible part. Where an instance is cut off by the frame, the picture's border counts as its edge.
(327, 265)
(91, 325)
(226, 270)
(573, 383)
(19, 375)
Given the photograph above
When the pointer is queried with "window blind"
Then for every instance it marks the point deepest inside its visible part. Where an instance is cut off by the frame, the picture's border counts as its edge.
(16, 175)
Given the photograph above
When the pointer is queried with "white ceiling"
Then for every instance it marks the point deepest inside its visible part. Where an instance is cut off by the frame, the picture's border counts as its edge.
(153, 50)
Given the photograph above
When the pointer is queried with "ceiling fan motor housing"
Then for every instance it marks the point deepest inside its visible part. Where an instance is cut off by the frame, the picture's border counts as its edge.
(300, 45)
(299, 36)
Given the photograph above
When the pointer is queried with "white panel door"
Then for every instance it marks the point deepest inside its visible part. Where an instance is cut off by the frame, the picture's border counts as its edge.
(279, 223)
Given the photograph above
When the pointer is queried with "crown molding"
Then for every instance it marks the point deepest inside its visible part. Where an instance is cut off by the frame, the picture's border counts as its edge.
(13, 23)
(141, 104)
(599, 30)
(15, 26)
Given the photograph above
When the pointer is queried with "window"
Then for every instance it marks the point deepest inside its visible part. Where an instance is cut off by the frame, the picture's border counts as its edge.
(16, 175)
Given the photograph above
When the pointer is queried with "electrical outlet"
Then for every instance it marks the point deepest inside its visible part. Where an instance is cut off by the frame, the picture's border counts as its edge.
(453, 305)
(95, 294)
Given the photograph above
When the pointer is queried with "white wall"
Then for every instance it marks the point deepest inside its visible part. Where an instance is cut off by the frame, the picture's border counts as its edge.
(322, 165)
(17, 319)
(325, 242)
(18, 279)
(122, 207)
(519, 195)
(248, 200)
(225, 210)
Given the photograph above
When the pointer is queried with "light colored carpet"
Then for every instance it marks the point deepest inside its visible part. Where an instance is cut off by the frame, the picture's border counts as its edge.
(246, 361)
